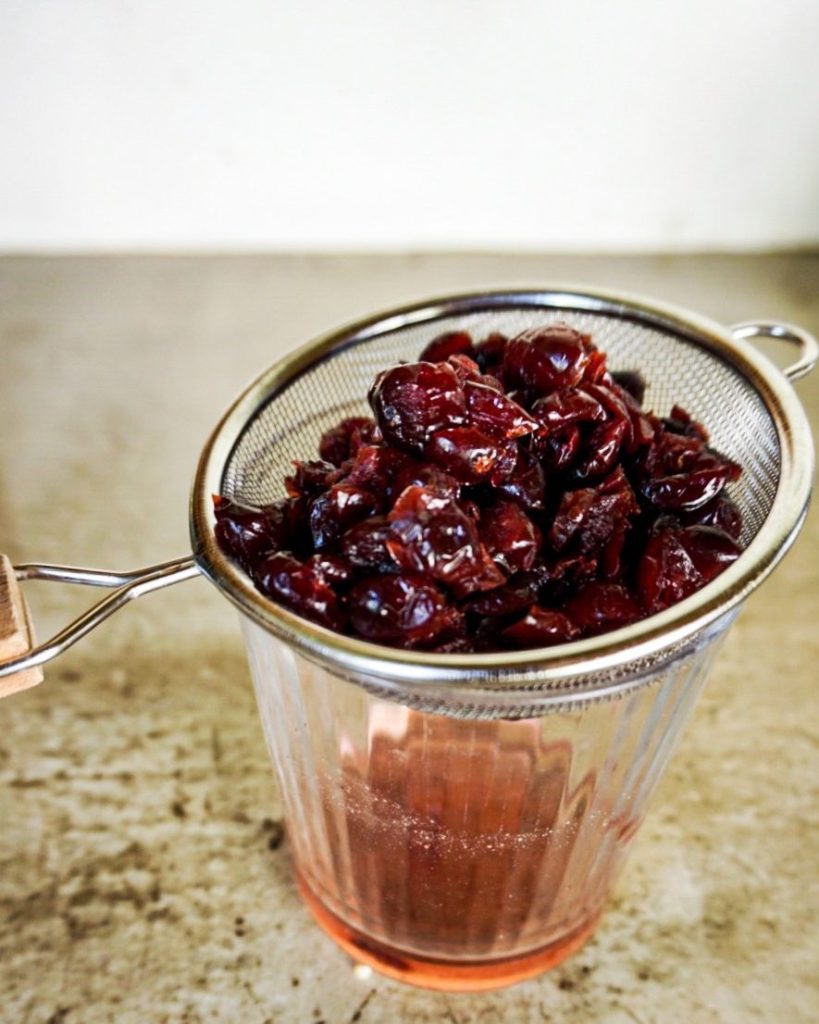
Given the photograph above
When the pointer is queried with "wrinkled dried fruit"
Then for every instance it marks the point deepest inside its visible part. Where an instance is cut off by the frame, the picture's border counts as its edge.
(303, 588)
(540, 627)
(406, 609)
(414, 400)
(510, 492)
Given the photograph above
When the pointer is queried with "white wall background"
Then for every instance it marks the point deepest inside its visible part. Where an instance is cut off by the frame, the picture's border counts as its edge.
(136, 124)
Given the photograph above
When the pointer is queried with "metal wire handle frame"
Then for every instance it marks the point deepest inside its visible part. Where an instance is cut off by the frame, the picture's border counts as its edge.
(130, 585)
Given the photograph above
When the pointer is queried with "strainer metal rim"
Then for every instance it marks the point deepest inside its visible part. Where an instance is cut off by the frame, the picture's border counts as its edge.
(560, 669)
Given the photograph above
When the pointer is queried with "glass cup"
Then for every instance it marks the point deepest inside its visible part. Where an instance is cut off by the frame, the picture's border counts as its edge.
(475, 845)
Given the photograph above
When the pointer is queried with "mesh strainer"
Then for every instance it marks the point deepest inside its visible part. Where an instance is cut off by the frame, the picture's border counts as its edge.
(748, 405)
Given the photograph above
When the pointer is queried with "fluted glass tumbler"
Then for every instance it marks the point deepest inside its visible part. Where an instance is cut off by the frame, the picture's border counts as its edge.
(457, 852)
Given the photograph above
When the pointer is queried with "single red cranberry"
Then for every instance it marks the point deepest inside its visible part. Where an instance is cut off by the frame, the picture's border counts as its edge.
(301, 587)
(510, 536)
(464, 452)
(431, 533)
(414, 400)
(342, 441)
(365, 545)
(495, 414)
(666, 573)
(405, 608)
(598, 607)
(546, 357)
(335, 511)
(452, 343)
(540, 627)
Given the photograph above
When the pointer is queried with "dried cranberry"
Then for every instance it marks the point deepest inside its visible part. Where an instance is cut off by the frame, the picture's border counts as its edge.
(489, 352)
(248, 534)
(691, 490)
(568, 405)
(414, 400)
(432, 534)
(589, 516)
(666, 572)
(497, 415)
(510, 536)
(339, 443)
(333, 570)
(511, 599)
(365, 545)
(464, 452)
(710, 549)
(406, 608)
(540, 627)
(632, 382)
(558, 450)
(425, 474)
(301, 587)
(375, 469)
(599, 607)
(601, 450)
(450, 344)
(681, 422)
(526, 483)
(337, 510)
(720, 512)
(546, 357)
(309, 478)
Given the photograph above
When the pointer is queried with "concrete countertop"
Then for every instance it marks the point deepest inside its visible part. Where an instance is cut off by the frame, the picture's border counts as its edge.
(144, 872)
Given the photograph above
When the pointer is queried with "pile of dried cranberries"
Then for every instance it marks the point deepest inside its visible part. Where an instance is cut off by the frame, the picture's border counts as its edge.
(509, 493)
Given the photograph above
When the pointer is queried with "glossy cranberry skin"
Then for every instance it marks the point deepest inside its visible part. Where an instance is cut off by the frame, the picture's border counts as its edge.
(511, 538)
(632, 382)
(365, 545)
(691, 490)
(540, 627)
(374, 468)
(429, 476)
(464, 452)
(710, 549)
(333, 570)
(513, 598)
(335, 511)
(544, 358)
(309, 478)
(598, 607)
(495, 414)
(452, 343)
(301, 587)
(342, 441)
(412, 401)
(489, 352)
(588, 516)
(406, 608)
(432, 534)
(248, 534)
(666, 572)
(568, 405)
(720, 512)
(526, 483)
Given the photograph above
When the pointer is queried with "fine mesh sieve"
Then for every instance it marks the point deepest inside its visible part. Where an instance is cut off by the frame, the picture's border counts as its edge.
(748, 405)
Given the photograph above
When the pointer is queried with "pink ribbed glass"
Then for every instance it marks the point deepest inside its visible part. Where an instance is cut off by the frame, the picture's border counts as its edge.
(461, 853)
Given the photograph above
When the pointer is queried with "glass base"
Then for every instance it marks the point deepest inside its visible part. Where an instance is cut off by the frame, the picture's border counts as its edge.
(441, 974)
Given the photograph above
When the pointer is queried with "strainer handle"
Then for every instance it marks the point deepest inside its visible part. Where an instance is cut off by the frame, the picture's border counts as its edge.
(808, 347)
(20, 658)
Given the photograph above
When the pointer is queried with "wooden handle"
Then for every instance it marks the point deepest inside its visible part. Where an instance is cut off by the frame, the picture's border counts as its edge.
(16, 631)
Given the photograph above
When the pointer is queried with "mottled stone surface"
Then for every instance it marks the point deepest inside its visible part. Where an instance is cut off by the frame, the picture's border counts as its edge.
(144, 874)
